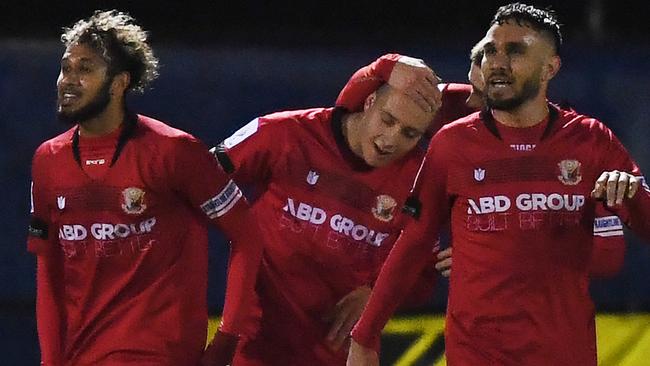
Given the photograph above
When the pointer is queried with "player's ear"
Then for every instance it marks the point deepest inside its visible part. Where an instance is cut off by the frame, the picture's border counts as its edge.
(120, 83)
(551, 68)
(370, 100)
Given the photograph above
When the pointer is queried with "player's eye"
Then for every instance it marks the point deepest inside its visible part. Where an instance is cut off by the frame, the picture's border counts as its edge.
(387, 119)
(411, 134)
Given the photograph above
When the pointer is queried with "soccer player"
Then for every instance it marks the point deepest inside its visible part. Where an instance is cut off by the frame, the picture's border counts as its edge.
(330, 185)
(120, 204)
(459, 100)
(521, 221)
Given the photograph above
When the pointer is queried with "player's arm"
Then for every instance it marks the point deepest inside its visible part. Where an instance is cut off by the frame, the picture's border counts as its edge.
(200, 179)
(609, 245)
(409, 75)
(43, 242)
(409, 256)
(622, 187)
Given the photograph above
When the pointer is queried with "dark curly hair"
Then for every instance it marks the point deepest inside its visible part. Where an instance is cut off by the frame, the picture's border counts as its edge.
(542, 20)
(120, 42)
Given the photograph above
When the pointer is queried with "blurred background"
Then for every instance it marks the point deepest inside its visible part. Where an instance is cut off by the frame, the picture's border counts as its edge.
(226, 62)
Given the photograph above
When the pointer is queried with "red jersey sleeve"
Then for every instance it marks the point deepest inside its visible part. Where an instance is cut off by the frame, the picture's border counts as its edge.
(197, 175)
(43, 241)
(250, 153)
(635, 212)
(413, 249)
(609, 245)
(365, 81)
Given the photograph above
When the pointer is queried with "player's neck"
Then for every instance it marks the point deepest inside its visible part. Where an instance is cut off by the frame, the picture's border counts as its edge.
(528, 114)
(104, 123)
(349, 126)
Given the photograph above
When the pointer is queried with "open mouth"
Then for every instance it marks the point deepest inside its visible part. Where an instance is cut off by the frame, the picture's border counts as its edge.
(500, 82)
(68, 97)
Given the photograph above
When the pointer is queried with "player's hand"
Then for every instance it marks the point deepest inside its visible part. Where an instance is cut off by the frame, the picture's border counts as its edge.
(345, 314)
(221, 350)
(614, 186)
(361, 356)
(414, 78)
(443, 265)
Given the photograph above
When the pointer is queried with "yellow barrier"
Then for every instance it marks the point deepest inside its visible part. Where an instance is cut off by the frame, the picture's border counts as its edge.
(623, 340)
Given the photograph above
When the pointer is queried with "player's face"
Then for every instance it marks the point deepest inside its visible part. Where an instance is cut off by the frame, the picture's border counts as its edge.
(513, 60)
(83, 87)
(392, 126)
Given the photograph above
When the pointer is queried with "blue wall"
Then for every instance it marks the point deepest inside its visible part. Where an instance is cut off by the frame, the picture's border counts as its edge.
(211, 91)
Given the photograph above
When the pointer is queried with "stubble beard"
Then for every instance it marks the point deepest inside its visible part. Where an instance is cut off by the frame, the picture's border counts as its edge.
(94, 108)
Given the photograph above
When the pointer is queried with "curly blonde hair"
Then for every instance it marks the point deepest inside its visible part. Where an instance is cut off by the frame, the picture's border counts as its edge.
(120, 42)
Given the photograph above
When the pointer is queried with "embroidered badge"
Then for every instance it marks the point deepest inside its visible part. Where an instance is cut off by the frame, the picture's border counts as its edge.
(133, 201)
(384, 208)
(569, 172)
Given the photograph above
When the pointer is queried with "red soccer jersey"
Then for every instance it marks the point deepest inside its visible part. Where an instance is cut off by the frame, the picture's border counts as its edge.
(122, 255)
(329, 221)
(609, 243)
(522, 226)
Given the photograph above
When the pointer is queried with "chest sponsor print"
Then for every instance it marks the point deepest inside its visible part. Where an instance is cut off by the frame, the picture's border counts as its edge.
(336, 222)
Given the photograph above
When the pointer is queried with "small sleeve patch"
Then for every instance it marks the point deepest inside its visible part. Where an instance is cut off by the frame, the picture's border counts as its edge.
(608, 226)
(223, 159)
(220, 204)
(38, 228)
(242, 134)
(412, 207)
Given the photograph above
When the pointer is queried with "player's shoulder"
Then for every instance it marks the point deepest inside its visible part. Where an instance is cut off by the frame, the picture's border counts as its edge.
(164, 139)
(455, 90)
(469, 124)
(299, 117)
(55, 145)
(570, 121)
(153, 128)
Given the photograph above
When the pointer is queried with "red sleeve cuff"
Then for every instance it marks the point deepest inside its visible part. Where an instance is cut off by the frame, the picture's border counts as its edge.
(366, 338)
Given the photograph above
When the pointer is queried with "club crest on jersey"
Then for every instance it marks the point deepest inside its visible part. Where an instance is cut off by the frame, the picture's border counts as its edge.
(312, 177)
(60, 202)
(479, 174)
(569, 172)
(133, 201)
(383, 210)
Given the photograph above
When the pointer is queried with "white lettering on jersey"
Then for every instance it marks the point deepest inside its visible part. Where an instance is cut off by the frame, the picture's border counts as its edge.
(96, 162)
(242, 134)
(489, 205)
(338, 223)
(554, 201)
(220, 204)
(526, 202)
(305, 212)
(105, 231)
(523, 147)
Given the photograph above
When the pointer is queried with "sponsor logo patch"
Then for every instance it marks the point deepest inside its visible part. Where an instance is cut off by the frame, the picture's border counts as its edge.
(479, 174)
(569, 172)
(60, 202)
(133, 201)
(312, 177)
